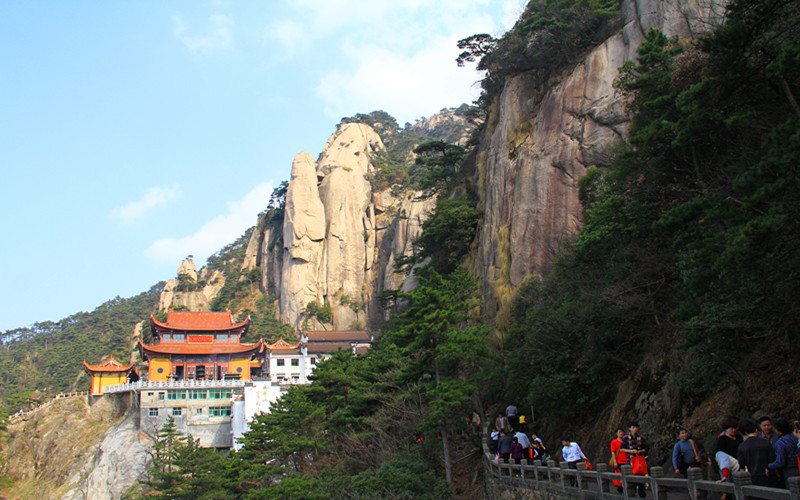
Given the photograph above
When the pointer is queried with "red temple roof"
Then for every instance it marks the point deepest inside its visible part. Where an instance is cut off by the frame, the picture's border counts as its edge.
(193, 321)
(110, 365)
(201, 349)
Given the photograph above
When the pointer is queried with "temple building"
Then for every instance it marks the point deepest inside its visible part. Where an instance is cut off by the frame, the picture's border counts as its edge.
(201, 375)
(293, 363)
(201, 346)
(108, 373)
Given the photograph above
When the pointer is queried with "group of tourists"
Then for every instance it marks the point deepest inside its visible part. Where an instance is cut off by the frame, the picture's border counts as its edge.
(769, 450)
(510, 439)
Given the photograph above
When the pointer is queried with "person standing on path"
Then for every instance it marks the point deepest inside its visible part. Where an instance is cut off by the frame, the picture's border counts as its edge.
(727, 449)
(504, 446)
(754, 454)
(572, 453)
(618, 457)
(513, 416)
(635, 445)
(684, 453)
(786, 451)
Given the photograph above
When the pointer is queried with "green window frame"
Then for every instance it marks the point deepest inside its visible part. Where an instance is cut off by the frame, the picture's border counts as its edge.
(198, 394)
(219, 411)
(175, 394)
(219, 394)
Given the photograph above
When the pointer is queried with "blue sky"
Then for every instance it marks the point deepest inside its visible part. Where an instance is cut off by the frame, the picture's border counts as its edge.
(133, 134)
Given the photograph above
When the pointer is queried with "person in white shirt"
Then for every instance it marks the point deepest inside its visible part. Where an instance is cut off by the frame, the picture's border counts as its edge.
(523, 440)
(572, 453)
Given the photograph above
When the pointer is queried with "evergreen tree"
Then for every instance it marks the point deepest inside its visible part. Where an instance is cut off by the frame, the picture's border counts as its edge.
(445, 344)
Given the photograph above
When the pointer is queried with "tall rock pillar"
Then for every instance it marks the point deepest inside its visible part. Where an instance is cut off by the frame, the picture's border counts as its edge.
(303, 240)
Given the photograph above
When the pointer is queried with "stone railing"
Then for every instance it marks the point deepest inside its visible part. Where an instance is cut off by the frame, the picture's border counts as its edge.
(562, 481)
(174, 384)
(24, 415)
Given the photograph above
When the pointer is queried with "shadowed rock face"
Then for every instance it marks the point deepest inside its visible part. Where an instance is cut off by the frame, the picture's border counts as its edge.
(540, 145)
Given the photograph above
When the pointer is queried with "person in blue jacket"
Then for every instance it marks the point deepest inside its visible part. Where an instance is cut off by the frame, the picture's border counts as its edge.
(785, 451)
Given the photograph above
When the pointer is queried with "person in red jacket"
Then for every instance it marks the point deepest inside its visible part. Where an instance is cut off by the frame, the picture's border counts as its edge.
(618, 457)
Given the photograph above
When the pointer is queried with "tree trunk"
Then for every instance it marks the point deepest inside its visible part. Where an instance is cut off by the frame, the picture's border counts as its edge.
(448, 466)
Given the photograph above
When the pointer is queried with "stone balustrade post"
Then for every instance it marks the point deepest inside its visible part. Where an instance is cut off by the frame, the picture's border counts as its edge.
(693, 474)
(794, 488)
(659, 492)
(563, 466)
(626, 471)
(741, 478)
(581, 467)
(602, 483)
(536, 465)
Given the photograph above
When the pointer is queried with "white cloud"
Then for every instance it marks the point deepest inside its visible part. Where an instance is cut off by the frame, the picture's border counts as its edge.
(219, 38)
(395, 56)
(407, 87)
(292, 35)
(156, 196)
(215, 233)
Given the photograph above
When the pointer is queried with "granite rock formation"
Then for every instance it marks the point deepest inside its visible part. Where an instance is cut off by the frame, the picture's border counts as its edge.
(540, 143)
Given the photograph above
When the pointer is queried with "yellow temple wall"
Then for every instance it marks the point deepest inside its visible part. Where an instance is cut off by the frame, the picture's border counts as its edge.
(96, 385)
(244, 364)
(154, 365)
(102, 380)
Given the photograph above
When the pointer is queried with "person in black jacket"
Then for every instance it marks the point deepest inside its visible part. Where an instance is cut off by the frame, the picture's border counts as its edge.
(754, 454)
(504, 445)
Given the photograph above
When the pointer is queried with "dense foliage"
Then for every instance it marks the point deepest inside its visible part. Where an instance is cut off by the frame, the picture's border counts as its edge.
(39, 361)
(690, 245)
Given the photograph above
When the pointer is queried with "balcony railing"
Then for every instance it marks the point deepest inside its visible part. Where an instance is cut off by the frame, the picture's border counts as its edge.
(174, 384)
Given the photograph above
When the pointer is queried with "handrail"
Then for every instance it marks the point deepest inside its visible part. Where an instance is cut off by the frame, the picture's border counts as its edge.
(15, 417)
(173, 384)
(582, 483)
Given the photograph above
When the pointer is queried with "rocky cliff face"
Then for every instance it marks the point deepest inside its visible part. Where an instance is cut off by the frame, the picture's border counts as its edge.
(539, 144)
(194, 300)
(339, 238)
(121, 459)
(68, 449)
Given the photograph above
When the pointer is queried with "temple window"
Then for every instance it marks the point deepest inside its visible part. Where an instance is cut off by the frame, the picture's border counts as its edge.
(222, 338)
(295, 362)
(280, 362)
(177, 338)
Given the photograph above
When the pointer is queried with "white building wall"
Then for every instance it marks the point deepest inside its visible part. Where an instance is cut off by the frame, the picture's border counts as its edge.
(257, 399)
